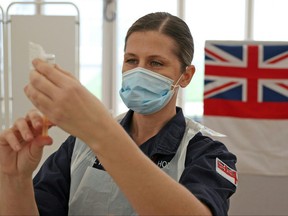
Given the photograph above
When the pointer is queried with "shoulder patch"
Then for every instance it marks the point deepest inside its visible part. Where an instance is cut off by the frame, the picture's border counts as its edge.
(227, 172)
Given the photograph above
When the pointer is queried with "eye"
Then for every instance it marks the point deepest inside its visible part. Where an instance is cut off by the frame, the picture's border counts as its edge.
(131, 61)
(156, 63)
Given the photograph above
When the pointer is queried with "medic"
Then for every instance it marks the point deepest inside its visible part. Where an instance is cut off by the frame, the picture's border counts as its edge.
(125, 179)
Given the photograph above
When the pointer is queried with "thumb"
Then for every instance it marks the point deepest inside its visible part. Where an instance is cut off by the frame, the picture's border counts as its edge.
(37, 146)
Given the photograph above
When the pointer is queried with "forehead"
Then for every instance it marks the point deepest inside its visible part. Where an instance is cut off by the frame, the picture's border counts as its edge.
(151, 43)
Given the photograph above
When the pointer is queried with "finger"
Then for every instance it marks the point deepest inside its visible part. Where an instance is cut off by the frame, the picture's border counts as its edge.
(36, 148)
(47, 70)
(13, 141)
(42, 84)
(22, 129)
(38, 144)
(35, 117)
(42, 141)
(39, 122)
(39, 100)
(58, 77)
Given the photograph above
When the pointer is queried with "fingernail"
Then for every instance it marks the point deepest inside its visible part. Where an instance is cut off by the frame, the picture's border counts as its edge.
(38, 124)
(28, 137)
(17, 147)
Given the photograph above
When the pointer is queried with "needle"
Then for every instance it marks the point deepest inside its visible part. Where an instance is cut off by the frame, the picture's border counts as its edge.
(45, 126)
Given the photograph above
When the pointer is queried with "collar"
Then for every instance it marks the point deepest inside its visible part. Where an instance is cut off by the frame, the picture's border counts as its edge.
(169, 137)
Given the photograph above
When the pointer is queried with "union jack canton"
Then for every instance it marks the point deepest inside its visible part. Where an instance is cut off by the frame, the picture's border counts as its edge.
(246, 79)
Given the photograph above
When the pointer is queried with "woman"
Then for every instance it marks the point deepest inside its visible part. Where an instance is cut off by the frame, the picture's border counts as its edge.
(154, 162)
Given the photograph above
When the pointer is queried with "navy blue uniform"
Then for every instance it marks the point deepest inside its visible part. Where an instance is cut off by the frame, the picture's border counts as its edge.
(52, 182)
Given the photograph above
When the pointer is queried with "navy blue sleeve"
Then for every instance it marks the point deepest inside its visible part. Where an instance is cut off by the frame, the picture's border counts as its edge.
(52, 182)
(201, 177)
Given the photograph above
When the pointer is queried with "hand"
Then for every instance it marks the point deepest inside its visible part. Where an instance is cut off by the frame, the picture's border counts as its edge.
(21, 146)
(66, 103)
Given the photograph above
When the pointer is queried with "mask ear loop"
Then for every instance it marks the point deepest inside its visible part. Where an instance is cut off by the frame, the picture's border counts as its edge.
(176, 84)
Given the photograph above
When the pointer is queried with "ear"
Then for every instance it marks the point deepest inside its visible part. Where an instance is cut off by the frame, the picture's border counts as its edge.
(187, 76)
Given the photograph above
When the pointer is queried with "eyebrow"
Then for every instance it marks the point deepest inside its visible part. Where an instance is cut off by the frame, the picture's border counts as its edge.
(150, 56)
(129, 54)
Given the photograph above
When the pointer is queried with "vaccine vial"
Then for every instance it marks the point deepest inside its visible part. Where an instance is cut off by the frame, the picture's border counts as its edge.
(50, 58)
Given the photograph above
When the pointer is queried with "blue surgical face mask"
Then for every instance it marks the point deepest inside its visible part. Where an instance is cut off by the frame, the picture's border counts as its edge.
(145, 91)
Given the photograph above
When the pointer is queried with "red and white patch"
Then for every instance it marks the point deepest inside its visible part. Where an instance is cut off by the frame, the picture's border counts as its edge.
(226, 171)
